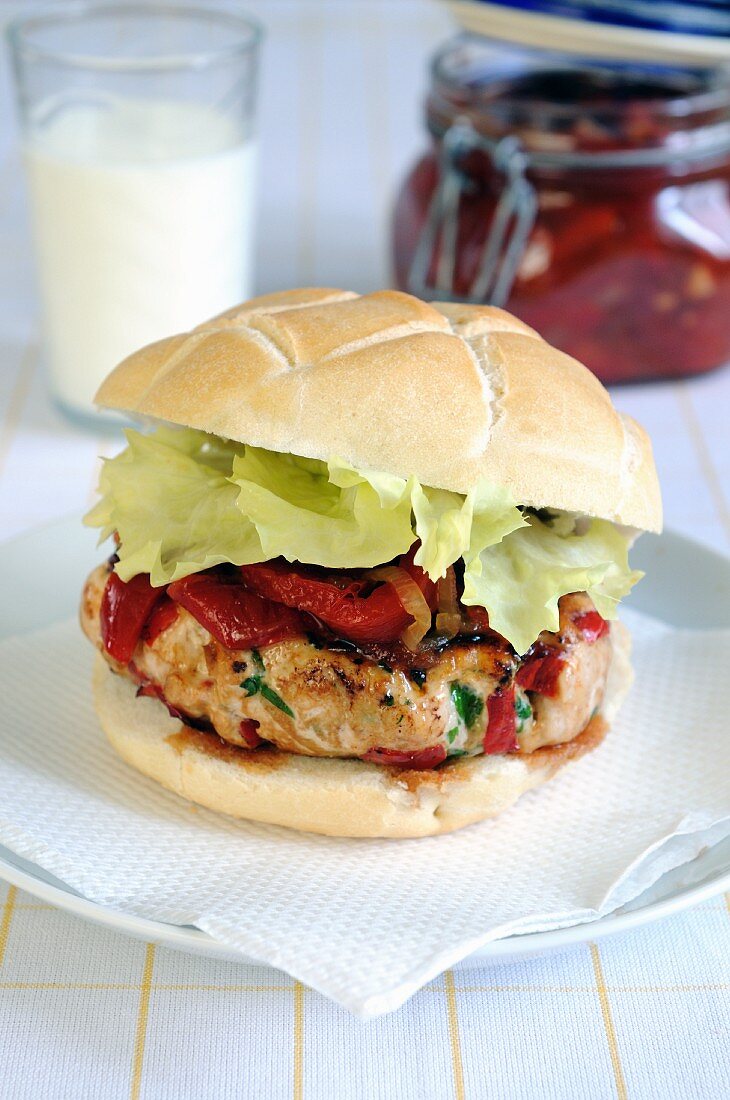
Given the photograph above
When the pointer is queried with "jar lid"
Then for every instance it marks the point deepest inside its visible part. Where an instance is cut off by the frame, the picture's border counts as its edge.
(559, 106)
(690, 32)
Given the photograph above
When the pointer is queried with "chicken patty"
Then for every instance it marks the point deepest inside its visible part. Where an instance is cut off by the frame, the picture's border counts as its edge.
(319, 699)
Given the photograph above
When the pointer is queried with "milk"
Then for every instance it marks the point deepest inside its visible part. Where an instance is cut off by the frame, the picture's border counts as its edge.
(142, 220)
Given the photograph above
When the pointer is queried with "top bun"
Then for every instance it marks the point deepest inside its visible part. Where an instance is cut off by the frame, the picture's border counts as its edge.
(449, 393)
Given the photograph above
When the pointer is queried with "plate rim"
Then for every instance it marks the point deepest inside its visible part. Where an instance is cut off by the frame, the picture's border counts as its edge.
(188, 937)
(192, 939)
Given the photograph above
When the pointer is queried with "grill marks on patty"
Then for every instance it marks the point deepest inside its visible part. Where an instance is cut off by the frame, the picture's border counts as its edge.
(315, 699)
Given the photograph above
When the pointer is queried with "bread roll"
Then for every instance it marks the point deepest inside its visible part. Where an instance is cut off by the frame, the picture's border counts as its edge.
(448, 393)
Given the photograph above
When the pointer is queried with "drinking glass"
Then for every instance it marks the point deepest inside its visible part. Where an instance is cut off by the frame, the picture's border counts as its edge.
(137, 125)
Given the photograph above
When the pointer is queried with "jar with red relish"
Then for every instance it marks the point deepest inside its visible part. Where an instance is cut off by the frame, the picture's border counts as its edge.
(591, 200)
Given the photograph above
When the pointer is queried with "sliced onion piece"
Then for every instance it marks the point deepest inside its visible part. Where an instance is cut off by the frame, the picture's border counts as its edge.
(448, 619)
(413, 600)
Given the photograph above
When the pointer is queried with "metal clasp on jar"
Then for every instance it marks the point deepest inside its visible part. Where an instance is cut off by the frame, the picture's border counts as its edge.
(513, 219)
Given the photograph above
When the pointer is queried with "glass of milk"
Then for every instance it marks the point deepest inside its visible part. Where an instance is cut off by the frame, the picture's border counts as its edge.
(138, 139)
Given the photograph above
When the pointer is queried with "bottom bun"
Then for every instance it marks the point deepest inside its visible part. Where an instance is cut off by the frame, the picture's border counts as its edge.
(327, 795)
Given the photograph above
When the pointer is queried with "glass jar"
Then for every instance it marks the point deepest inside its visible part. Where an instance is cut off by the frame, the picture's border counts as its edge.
(593, 201)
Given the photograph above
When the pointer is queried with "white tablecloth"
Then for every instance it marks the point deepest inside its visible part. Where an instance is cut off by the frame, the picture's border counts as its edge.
(87, 1013)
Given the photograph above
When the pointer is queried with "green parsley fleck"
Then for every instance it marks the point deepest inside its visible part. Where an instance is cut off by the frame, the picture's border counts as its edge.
(457, 752)
(451, 734)
(523, 711)
(254, 684)
(468, 704)
(388, 700)
(258, 660)
(523, 708)
(272, 697)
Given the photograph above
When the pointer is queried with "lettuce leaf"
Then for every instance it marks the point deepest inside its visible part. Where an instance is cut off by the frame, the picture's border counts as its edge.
(520, 579)
(183, 501)
(451, 526)
(169, 498)
(302, 510)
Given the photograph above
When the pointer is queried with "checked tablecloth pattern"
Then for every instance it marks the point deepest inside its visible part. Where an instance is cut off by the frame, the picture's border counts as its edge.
(85, 1012)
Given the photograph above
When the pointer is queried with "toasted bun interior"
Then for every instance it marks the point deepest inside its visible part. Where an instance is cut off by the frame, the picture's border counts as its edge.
(333, 796)
(448, 393)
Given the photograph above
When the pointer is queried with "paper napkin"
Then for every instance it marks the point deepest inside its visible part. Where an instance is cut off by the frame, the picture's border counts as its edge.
(367, 922)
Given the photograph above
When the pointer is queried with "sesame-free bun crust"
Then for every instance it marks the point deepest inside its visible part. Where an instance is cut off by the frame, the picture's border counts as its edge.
(448, 393)
(335, 797)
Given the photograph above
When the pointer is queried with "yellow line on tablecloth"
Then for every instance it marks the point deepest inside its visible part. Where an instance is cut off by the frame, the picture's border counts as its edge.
(453, 1018)
(241, 987)
(140, 1037)
(18, 397)
(169, 987)
(8, 910)
(298, 1073)
(618, 1072)
(700, 987)
(704, 455)
(48, 987)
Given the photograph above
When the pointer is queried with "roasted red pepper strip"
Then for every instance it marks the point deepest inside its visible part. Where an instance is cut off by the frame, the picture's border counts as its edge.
(419, 761)
(163, 615)
(379, 617)
(125, 608)
(235, 616)
(477, 619)
(591, 625)
(249, 732)
(154, 691)
(501, 733)
(541, 670)
(149, 690)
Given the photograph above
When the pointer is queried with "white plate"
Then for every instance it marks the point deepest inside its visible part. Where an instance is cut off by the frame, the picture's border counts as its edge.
(567, 31)
(686, 584)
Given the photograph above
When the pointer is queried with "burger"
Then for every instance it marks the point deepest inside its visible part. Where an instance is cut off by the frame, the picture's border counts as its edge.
(368, 557)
